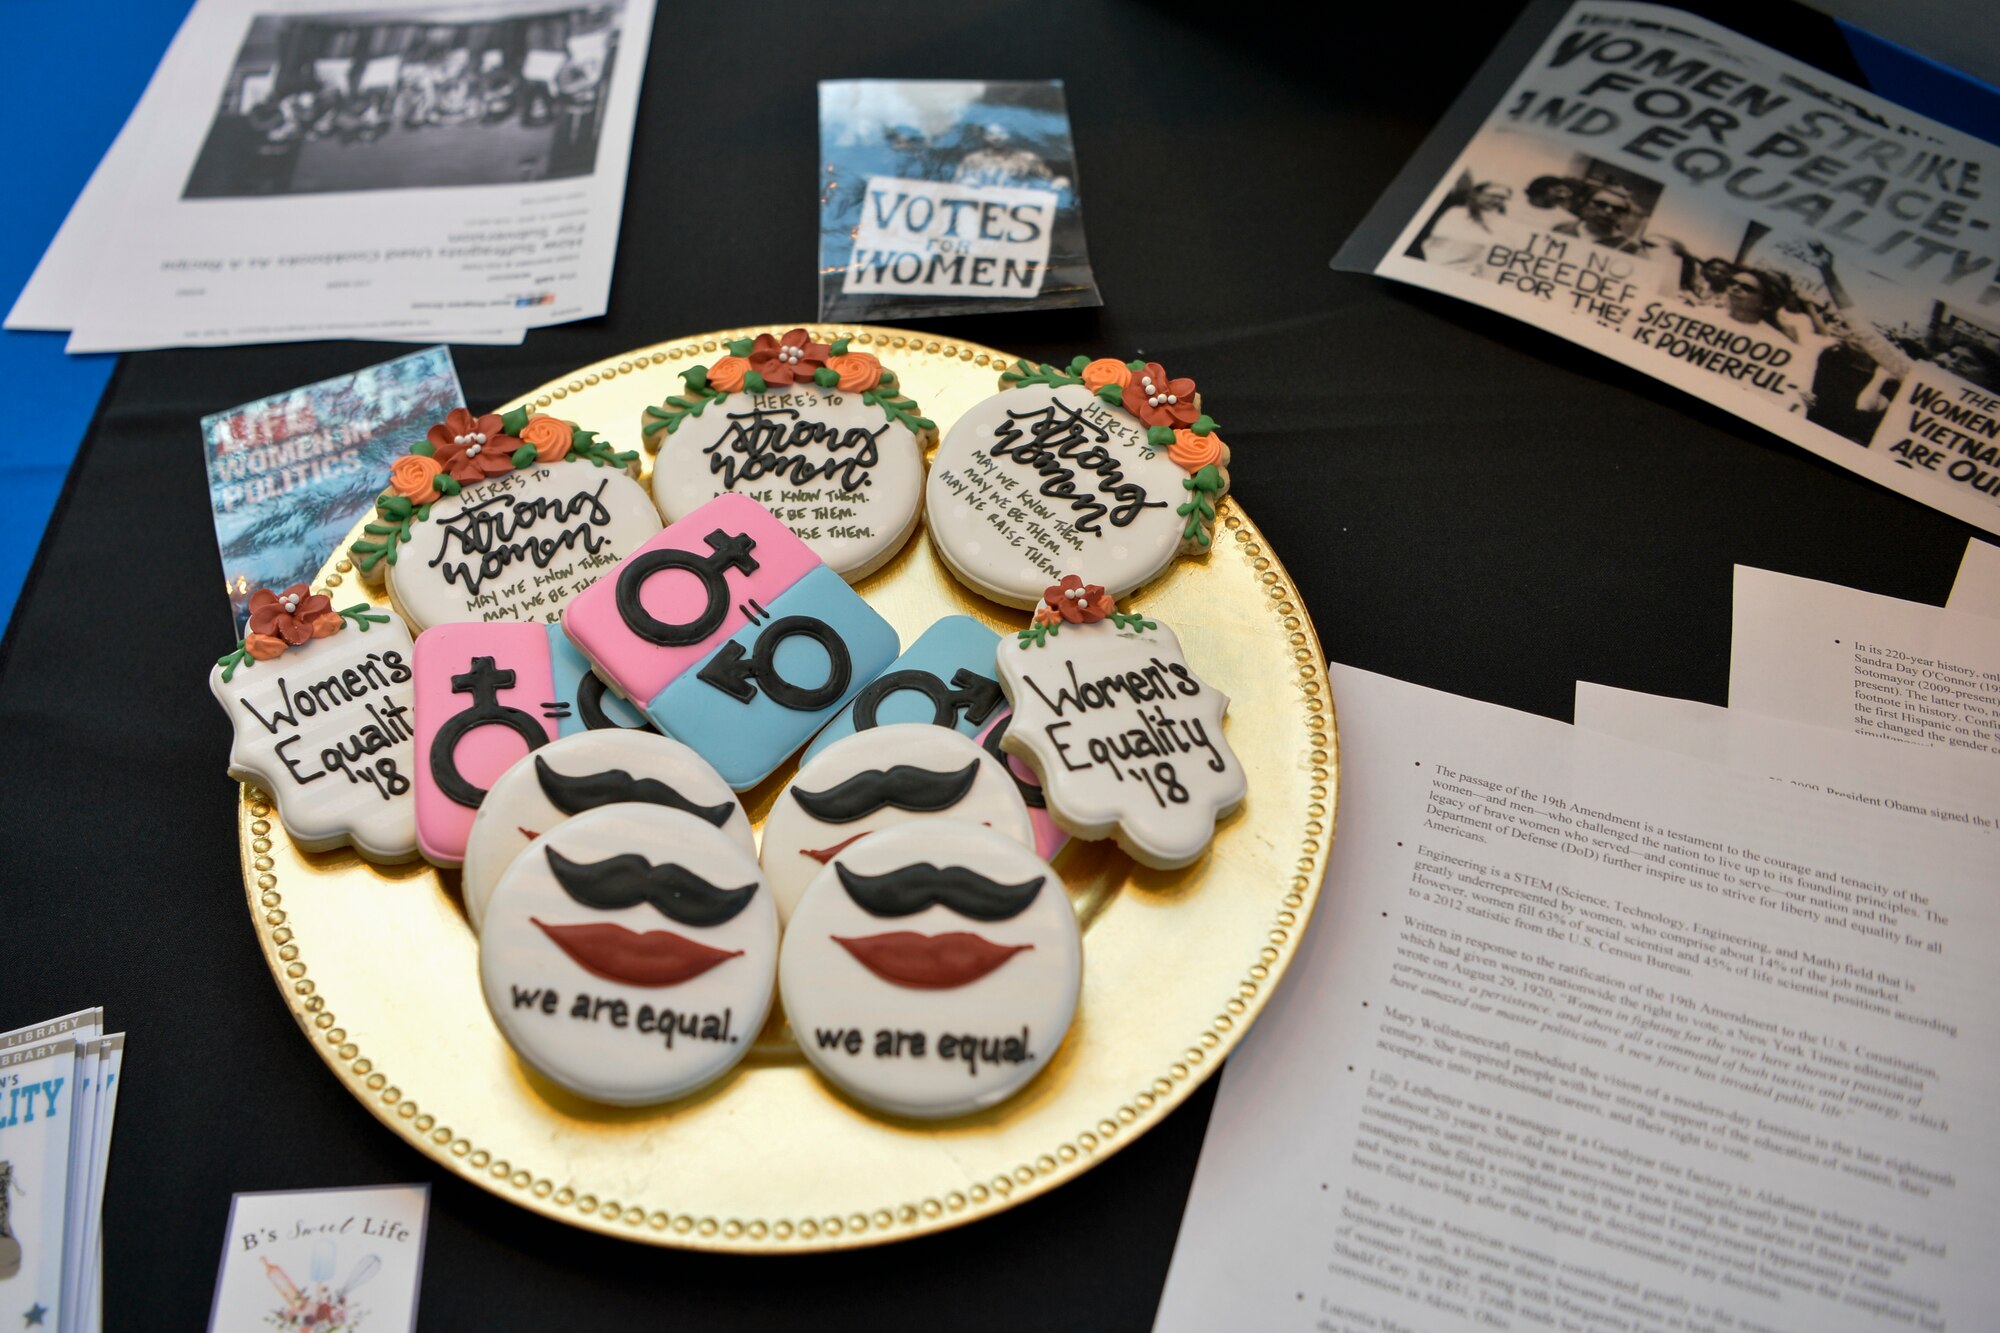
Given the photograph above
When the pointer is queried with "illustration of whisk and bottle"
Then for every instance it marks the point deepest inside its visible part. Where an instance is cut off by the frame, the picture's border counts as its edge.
(319, 1306)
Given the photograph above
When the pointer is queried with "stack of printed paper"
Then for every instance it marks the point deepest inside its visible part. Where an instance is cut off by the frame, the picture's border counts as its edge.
(427, 173)
(58, 1090)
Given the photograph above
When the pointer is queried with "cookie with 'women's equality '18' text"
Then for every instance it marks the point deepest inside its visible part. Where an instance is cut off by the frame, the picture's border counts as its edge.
(629, 954)
(1127, 738)
(1107, 465)
(932, 969)
(321, 705)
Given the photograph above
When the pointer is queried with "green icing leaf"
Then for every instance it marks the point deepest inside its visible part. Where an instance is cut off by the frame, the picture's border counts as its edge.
(1203, 424)
(1112, 394)
(1159, 436)
(424, 448)
(1035, 635)
(740, 346)
(826, 379)
(754, 382)
(1136, 367)
(1132, 621)
(695, 377)
(1027, 372)
(394, 506)
(446, 485)
(524, 455)
(511, 422)
(839, 347)
(1077, 363)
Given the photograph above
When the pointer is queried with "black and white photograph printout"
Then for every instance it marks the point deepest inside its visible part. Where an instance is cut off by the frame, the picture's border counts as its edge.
(399, 99)
(1791, 248)
(430, 171)
(946, 197)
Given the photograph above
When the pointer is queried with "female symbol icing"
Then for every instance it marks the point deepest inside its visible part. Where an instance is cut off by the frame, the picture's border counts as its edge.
(628, 954)
(581, 772)
(729, 552)
(876, 779)
(932, 969)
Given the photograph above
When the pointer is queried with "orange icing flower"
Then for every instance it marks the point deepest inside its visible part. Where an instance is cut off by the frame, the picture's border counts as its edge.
(727, 374)
(263, 647)
(549, 435)
(324, 625)
(1191, 452)
(413, 476)
(858, 371)
(1106, 370)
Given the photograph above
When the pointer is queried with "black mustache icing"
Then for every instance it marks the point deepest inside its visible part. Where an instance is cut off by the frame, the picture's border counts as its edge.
(574, 795)
(909, 889)
(905, 786)
(628, 880)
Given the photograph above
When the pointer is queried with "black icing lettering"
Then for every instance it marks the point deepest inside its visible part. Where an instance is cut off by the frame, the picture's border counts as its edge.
(492, 532)
(761, 443)
(292, 765)
(729, 552)
(733, 672)
(1055, 437)
(484, 684)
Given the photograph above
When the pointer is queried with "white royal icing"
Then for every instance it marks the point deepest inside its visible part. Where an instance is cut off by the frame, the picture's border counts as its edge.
(1074, 486)
(1127, 739)
(521, 804)
(326, 728)
(985, 995)
(598, 1015)
(836, 470)
(793, 833)
(517, 546)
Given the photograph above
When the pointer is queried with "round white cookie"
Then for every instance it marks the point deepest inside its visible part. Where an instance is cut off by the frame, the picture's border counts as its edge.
(582, 772)
(517, 546)
(628, 953)
(1036, 481)
(932, 969)
(877, 779)
(838, 470)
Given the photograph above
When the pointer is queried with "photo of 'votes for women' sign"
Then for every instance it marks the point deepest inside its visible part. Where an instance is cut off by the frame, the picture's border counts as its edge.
(943, 196)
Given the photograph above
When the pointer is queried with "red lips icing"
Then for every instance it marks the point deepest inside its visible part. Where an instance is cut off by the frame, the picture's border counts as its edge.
(929, 962)
(656, 958)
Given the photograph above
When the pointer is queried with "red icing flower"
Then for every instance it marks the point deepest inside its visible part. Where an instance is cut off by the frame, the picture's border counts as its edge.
(473, 448)
(294, 615)
(1158, 401)
(793, 358)
(1078, 602)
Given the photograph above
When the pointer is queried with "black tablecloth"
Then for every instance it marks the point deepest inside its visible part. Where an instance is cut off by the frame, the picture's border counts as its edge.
(1464, 502)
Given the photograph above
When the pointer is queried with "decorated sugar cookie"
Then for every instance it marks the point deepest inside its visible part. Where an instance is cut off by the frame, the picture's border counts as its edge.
(1108, 465)
(945, 678)
(1127, 739)
(877, 779)
(502, 517)
(488, 692)
(583, 772)
(1049, 835)
(628, 953)
(932, 969)
(321, 703)
(728, 632)
(821, 435)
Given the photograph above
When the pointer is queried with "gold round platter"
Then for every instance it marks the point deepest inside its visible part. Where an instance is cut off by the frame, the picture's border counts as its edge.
(380, 966)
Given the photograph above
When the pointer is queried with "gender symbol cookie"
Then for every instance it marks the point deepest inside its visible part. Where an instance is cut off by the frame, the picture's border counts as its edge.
(728, 632)
(1049, 835)
(1127, 739)
(1109, 465)
(628, 953)
(321, 703)
(877, 779)
(932, 969)
(502, 517)
(822, 436)
(583, 772)
(488, 692)
(945, 677)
